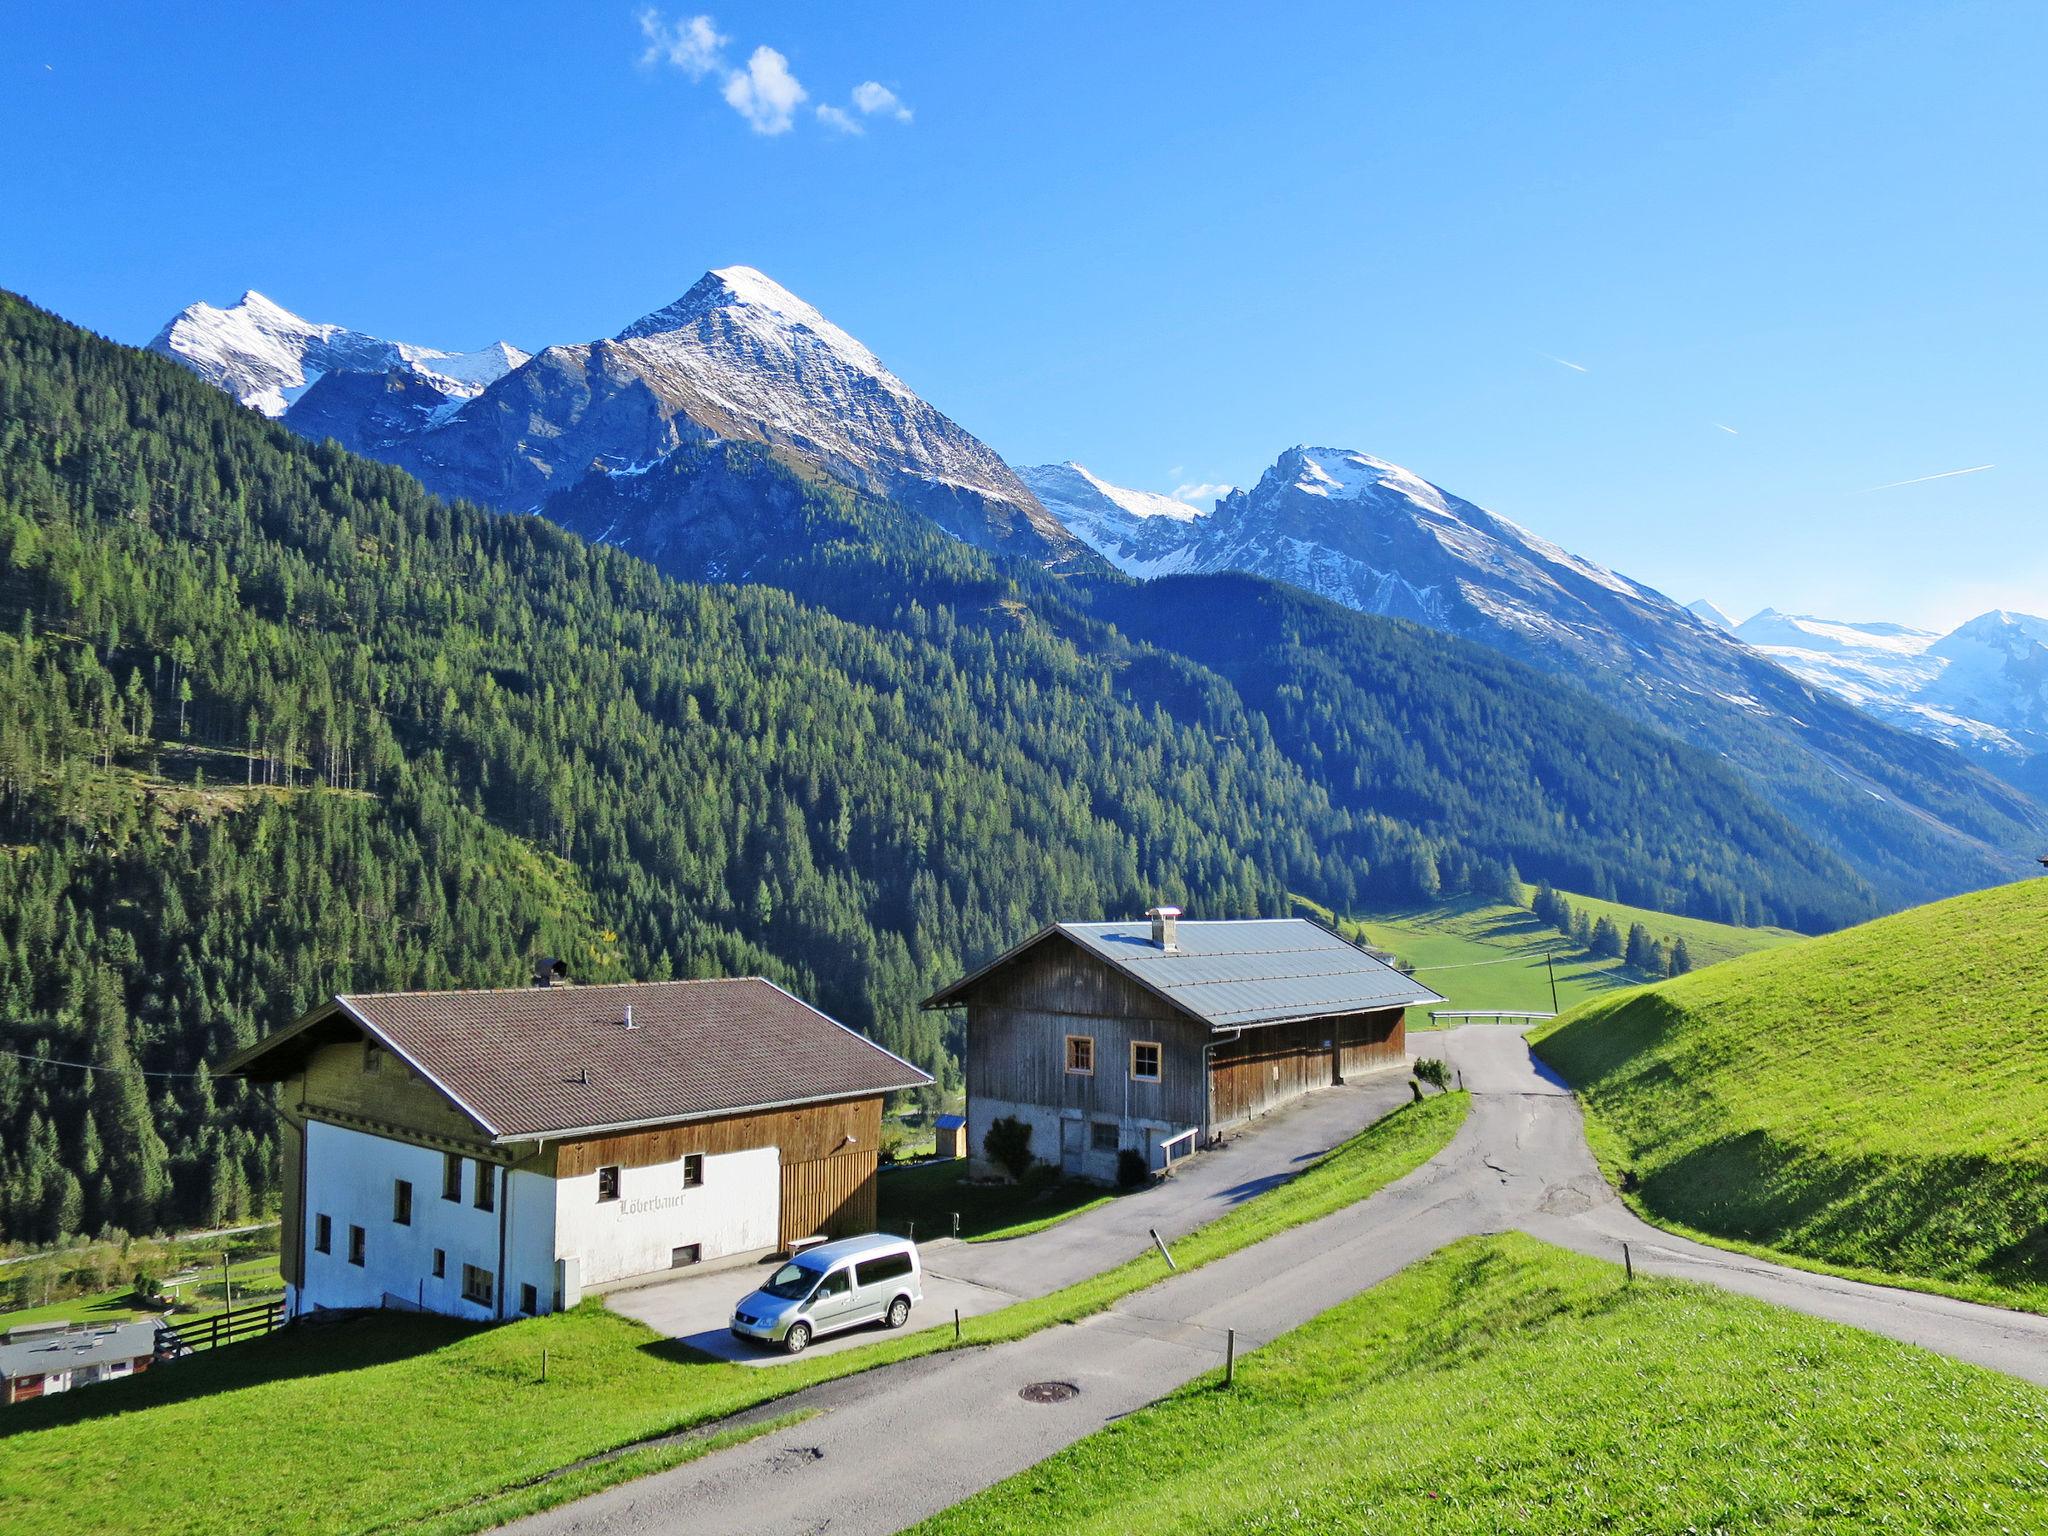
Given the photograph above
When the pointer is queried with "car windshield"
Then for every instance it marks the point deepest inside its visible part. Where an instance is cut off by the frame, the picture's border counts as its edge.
(792, 1282)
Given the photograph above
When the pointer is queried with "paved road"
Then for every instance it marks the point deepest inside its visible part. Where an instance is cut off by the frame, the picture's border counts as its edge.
(890, 1447)
(981, 1277)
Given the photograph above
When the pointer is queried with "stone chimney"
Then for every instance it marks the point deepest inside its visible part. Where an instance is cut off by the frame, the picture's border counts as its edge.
(1166, 929)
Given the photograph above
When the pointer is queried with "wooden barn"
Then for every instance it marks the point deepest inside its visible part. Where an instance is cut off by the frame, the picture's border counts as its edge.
(1157, 1036)
(491, 1153)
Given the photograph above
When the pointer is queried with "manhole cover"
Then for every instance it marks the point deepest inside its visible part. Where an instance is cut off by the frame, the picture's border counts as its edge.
(1049, 1392)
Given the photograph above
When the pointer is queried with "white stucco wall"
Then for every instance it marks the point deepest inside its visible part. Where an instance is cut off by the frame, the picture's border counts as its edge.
(735, 1209)
(1044, 1119)
(349, 1178)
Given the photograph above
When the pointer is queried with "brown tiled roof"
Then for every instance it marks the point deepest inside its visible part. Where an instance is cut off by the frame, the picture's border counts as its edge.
(533, 1061)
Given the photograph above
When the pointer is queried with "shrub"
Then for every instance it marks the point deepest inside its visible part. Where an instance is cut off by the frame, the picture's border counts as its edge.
(1430, 1070)
(1008, 1145)
(1130, 1167)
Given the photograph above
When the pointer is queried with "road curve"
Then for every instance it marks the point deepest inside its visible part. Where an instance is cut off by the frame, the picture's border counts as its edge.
(889, 1447)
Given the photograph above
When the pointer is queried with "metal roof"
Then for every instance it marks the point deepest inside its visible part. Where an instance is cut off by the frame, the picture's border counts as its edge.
(525, 1062)
(1237, 974)
(42, 1352)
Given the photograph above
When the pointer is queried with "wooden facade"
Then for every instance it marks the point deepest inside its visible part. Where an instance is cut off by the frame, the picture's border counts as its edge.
(1019, 1018)
(1265, 1067)
(1021, 1015)
(829, 1156)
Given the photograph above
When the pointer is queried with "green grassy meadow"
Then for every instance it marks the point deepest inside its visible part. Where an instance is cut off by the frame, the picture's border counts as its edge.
(1504, 1386)
(406, 1423)
(1874, 1101)
(196, 1293)
(928, 1195)
(1484, 955)
(1709, 942)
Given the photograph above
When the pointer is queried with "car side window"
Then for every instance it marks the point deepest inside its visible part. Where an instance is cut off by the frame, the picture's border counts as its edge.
(889, 1267)
(838, 1283)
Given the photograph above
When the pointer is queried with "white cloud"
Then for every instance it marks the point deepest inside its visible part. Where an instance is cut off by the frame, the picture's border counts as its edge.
(691, 45)
(1193, 495)
(1575, 367)
(765, 93)
(872, 97)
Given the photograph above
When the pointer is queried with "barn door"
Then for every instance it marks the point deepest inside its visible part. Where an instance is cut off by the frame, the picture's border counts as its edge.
(1073, 1147)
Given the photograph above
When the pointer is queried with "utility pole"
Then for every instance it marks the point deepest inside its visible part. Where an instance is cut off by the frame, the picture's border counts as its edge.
(1550, 965)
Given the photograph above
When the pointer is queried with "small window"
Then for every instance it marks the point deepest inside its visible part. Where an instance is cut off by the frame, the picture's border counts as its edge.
(401, 1202)
(323, 1234)
(608, 1182)
(693, 1170)
(357, 1243)
(486, 1186)
(838, 1283)
(451, 1176)
(477, 1285)
(529, 1300)
(1145, 1060)
(1081, 1054)
(685, 1256)
(373, 1058)
(440, 1263)
(1104, 1136)
(890, 1266)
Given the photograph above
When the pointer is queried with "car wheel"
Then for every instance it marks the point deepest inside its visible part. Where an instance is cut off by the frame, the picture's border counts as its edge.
(899, 1311)
(798, 1339)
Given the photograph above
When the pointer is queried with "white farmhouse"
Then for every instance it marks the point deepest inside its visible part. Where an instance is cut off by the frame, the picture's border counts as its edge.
(488, 1154)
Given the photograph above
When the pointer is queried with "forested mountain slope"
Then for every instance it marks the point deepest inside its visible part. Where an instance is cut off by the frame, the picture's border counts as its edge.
(275, 723)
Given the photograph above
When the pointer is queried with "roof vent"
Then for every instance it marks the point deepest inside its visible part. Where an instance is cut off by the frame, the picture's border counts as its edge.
(582, 1078)
(1165, 929)
(629, 1017)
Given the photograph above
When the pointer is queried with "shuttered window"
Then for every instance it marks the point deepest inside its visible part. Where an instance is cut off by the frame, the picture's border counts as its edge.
(1081, 1054)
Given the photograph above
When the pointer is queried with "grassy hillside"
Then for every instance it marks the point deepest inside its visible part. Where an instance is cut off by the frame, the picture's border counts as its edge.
(1709, 942)
(1483, 954)
(1504, 1386)
(1875, 1100)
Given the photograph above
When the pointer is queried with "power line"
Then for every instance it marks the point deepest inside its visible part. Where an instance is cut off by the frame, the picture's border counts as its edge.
(86, 1066)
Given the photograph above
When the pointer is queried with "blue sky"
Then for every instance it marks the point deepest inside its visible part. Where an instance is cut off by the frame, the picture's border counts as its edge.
(1169, 241)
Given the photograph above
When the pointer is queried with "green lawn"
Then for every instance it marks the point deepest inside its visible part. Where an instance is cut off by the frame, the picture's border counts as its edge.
(1708, 942)
(407, 1422)
(1874, 1101)
(1484, 955)
(1506, 1388)
(929, 1194)
(256, 1280)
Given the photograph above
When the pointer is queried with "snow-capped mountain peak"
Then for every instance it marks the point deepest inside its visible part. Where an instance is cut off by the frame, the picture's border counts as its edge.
(737, 357)
(753, 302)
(267, 357)
(1141, 533)
(1983, 686)
(1707, 613)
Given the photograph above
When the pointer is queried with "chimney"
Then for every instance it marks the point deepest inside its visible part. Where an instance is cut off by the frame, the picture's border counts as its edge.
(1166, 929)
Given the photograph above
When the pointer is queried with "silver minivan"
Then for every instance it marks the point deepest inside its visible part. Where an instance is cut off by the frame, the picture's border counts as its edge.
(833, 1287)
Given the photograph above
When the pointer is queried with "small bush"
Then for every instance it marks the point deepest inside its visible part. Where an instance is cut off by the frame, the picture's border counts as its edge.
(1436, 1073)
(1130, 1168)
(1008, 1145)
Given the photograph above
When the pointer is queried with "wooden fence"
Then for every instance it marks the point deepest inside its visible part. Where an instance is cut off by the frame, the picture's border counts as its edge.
(224, 1328)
